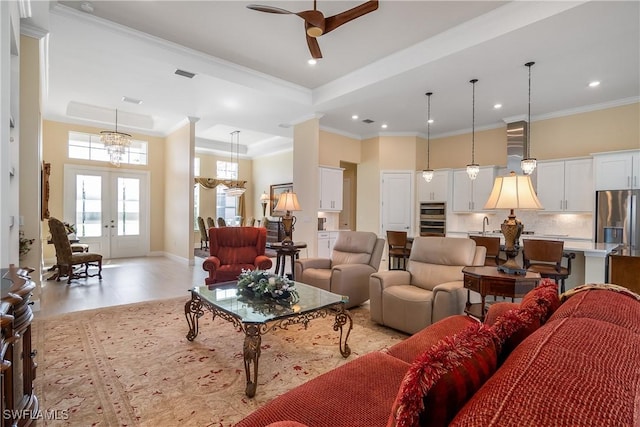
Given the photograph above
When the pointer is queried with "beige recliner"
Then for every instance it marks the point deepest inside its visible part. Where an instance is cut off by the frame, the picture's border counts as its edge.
(431, 288)
(356, 255)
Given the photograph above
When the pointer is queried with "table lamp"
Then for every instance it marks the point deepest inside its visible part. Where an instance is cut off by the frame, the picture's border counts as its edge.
(264, 200)
(512, 192)
(288, 202)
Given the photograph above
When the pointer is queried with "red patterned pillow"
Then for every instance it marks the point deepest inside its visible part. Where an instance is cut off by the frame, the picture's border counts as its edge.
(514, 326)
(442, 379)
(544, 295)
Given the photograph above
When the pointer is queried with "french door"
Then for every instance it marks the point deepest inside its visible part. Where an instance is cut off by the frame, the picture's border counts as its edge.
(110, 209)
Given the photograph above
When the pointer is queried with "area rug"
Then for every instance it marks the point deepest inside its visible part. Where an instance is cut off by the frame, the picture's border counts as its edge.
(133, 366)
(201, 253)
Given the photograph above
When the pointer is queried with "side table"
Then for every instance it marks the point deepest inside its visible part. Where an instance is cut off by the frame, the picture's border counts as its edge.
(282, 252)
(489, 281)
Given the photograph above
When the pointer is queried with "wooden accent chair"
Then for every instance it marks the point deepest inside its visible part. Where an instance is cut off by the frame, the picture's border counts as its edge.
(221, 222)
(233, 249)
(545, 257)
(397, 249)
(493, 249)
(204, 236)
(66, 259)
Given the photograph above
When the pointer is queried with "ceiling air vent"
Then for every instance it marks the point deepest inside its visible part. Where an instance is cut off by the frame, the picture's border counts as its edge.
(184, 73)
(367, 121)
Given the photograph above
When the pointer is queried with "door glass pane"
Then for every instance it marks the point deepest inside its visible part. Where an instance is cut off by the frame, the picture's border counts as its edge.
(88, 205)
(128, 207)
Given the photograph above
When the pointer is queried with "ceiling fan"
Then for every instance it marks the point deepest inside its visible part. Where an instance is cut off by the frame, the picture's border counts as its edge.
(316, 24)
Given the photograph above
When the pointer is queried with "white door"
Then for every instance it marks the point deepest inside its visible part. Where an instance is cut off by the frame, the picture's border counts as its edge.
(397, 201)
(110, 209)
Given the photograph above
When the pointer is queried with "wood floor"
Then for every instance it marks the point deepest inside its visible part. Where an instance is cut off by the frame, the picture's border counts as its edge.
(124, 281)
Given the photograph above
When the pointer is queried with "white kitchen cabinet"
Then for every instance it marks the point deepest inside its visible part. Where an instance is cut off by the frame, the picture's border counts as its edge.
(617, 171)
(330, 180)
(468, 195)
(566, 185)
(326, 240)
(435, 191)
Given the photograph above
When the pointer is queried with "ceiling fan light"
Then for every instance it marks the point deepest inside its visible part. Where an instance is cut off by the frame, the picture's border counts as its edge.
(314, 31)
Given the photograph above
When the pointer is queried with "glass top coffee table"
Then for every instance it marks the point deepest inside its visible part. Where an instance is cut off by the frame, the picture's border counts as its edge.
(256, 317)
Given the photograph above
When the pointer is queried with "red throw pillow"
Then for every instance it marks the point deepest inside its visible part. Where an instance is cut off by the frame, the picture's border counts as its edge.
(514, 326)
(442, 379)
(544, 295)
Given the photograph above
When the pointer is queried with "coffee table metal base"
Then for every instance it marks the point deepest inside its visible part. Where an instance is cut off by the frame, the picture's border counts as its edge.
(194, 309)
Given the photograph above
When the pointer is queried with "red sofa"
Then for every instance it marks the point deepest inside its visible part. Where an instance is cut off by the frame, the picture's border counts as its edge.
(233, 249)
(537, 363)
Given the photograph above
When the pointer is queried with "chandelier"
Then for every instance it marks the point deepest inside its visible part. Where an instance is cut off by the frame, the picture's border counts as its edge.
(235, 188)
(473, 168)
(528, 164)
(116, 143)
(427, 174)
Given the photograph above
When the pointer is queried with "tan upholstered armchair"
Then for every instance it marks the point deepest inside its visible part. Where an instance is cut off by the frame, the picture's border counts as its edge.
(356, 255)
(431, 288)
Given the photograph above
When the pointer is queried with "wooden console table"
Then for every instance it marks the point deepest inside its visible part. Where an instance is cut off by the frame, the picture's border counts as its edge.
(489, 281)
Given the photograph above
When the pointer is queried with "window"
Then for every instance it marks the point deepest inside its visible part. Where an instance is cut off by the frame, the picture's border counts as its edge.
(226, 206)
(88, 147)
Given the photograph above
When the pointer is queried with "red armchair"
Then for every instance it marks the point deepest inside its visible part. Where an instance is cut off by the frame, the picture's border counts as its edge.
(233, 249)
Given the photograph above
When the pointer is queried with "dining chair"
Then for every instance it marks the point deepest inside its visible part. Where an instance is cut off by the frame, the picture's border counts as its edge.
(545, 257)
(66, 259)
(210, 222)
(397, 249)
(221, 222)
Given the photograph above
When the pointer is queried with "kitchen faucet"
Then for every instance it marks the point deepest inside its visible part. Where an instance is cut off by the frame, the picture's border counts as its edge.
(485, 222)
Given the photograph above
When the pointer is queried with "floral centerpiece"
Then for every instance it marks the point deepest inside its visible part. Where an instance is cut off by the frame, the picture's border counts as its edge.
(262, 284)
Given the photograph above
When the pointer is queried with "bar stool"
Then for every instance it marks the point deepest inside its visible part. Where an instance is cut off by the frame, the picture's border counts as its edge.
(545, 257)
(397, 241)
(493, 249)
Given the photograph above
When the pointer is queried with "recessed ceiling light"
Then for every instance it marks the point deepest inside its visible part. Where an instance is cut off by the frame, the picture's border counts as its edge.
(354, 117)
(497, 106)
(430, 121)
(86, 7)
(312, 61)
(594, 84)
(384, 126)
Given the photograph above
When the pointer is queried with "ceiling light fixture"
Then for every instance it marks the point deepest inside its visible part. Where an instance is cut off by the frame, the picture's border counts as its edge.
(116, 143)
(427, 174)
(236, 188)
(497, 106)
(594, 84)
(473, 168)
(384, 126)
(312, 61)
(354, 117)
(528, 164)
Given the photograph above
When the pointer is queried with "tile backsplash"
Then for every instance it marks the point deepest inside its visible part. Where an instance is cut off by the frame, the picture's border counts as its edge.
(579, 226)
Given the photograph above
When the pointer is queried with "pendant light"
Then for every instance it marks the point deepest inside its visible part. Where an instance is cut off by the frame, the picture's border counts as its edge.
(427, 174)
(473, 168)
(528, 164)
(236, 188)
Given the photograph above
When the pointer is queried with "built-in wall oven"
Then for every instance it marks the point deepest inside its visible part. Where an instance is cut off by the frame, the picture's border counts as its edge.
(433, 218)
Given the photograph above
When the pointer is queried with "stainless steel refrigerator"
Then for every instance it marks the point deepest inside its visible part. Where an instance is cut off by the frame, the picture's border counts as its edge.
(618, 217)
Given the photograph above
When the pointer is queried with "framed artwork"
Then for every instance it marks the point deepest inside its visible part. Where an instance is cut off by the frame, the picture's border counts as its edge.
(44, 190)
(274, 194)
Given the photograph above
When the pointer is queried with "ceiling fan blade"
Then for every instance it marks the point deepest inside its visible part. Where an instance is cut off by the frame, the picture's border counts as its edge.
(333, 22)
(314, 47)
(313, 17)
(269, 9)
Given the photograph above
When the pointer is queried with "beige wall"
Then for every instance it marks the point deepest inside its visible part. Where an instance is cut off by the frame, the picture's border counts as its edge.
(368, 216)
(305, 181)
(335, 148)
(178, 193)
(55, 137)
(30, 158)
(267, 171)
(577, 135)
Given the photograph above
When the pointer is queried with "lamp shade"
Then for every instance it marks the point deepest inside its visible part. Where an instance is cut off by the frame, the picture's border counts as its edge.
(288, 202)
(264, 197)
(513, 192)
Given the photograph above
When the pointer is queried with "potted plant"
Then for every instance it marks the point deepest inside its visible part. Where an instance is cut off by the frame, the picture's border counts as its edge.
(25, 244)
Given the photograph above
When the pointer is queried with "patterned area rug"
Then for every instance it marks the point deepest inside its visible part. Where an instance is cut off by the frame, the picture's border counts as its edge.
(133, 366)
